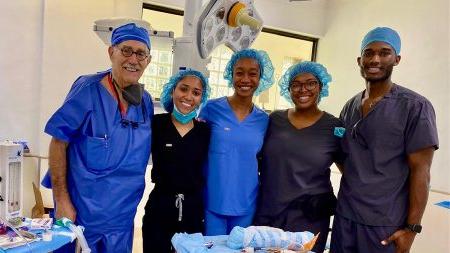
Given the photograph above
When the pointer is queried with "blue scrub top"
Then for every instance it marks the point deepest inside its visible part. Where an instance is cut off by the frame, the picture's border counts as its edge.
(232, 169)
(106, 161)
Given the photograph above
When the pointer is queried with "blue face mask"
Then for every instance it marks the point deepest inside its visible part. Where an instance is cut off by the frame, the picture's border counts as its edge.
(183, 118)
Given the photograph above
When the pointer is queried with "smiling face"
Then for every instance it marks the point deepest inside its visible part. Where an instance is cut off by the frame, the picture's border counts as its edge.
(377, 62)
(305, 90)
(246, 74)
(128, 70)
(187, 94)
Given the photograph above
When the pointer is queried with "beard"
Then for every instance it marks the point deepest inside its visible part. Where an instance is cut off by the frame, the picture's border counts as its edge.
(385, 76)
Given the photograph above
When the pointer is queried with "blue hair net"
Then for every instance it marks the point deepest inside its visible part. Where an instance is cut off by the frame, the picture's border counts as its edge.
(130, 31)
(166, 94)
(316, 69)
(265, 65)
(383, 34)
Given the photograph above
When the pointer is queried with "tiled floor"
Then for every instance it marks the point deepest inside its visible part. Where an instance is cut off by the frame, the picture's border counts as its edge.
(435, 237)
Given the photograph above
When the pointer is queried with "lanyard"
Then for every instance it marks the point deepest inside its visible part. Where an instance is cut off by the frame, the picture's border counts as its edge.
(179, 205)
(113, 87)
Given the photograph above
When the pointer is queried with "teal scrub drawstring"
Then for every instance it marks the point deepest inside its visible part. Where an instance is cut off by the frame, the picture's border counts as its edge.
(179, 205)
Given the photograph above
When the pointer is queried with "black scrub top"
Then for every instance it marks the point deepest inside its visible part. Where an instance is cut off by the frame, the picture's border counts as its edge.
(178, 161)
(296, 162)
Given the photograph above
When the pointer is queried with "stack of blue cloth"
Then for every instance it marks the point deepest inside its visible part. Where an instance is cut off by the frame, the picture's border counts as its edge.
(60, 237)
(239, 238)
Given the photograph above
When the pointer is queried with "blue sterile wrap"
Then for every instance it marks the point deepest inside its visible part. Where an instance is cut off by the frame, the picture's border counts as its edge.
(196, 243)
(316, 69)
(265, 64)
(189, 243)
(267, 237)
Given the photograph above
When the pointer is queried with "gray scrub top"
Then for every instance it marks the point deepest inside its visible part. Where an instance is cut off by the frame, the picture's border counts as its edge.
(296, 162)
(374, 187)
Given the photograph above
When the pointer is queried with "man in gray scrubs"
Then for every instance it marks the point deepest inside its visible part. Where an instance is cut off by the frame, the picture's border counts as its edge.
(390, 139)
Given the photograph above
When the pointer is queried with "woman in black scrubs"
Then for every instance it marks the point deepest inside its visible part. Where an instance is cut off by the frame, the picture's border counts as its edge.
(299, 148)
(179, 151)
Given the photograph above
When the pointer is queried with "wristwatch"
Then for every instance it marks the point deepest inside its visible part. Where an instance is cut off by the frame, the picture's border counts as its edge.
(416, 228)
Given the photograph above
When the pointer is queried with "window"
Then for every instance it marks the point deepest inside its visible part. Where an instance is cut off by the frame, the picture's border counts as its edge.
(219, 60)
(284, 49)
(159, 70)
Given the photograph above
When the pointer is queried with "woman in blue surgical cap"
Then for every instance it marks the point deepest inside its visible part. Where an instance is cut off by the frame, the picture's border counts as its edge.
(237, 132)
(179, 150)
(300, 146)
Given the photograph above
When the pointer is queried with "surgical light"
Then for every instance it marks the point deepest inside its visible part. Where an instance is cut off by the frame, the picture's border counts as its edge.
(233, 23)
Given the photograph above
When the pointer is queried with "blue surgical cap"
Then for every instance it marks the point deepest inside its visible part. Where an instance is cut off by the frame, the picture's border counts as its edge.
(265, 66)
(383, 34)
(316, 69)
(130, 31)
(169, 87)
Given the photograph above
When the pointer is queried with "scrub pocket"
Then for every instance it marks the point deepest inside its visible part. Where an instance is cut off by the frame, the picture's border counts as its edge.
(97, 153)
(390, 138)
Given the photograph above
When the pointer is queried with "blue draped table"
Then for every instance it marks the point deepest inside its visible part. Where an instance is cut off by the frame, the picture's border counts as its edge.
(58, 240)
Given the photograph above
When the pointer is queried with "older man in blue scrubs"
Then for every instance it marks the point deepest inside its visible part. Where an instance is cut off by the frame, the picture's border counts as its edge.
(390, 139)
(101, 144)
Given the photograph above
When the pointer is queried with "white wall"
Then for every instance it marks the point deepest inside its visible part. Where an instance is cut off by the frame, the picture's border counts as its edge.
(305, 17)
(424, 30)
(21, 25)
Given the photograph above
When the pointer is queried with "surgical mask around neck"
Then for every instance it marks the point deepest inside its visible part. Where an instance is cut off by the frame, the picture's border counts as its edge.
(133, 93)
(183, 118)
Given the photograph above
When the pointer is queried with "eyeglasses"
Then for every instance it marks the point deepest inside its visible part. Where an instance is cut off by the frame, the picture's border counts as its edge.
(128, 52)
(134, 124)
(309, 85)
(357, 136)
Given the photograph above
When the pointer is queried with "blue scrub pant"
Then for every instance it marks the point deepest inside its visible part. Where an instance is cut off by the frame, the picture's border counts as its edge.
(120, 241)
(217, 224)
(351, 237)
